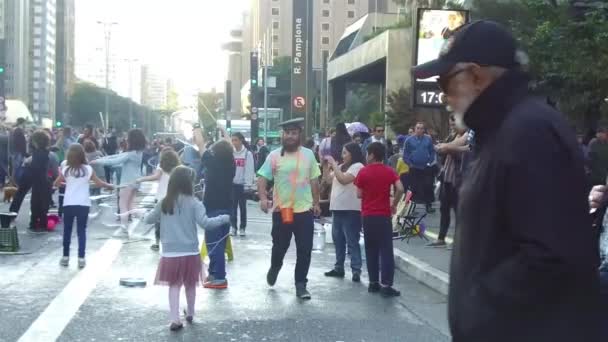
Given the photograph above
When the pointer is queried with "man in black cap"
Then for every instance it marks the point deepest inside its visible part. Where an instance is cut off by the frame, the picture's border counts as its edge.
(525, 260)
(295, 171)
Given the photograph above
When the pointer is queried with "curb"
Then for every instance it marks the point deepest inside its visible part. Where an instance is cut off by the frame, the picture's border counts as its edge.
(422, 271)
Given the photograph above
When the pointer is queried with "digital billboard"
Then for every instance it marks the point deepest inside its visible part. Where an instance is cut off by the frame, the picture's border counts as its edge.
(433, 29)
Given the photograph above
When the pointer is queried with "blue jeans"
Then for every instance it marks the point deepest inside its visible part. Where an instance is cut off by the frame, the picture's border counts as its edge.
(346, 230)
(217, 256)
(81, 214)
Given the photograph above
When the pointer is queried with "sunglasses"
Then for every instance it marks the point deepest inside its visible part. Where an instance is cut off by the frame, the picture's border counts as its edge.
(444, 81)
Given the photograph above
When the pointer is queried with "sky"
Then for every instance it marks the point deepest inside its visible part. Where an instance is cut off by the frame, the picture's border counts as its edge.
(180, 38)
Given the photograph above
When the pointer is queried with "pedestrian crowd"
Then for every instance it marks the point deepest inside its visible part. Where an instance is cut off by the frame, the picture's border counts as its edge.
(528, 261)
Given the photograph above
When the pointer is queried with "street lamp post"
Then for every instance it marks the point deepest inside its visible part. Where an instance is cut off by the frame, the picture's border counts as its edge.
(107, 27)
(131, 61)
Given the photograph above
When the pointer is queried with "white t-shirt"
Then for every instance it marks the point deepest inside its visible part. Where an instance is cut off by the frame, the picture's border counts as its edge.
(77, 188)
(163, 184)
(344, 197)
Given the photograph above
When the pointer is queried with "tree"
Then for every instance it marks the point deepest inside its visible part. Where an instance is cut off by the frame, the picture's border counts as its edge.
(209, 109)
(362, 100)
(172, 100)
(566, 47)
(88, 100)
(400, 114)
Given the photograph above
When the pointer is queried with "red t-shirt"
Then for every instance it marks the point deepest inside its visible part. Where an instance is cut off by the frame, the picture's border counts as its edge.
(375, 181)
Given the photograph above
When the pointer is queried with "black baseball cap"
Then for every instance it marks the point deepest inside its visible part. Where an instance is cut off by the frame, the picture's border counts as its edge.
(483, 42)
(291, 124)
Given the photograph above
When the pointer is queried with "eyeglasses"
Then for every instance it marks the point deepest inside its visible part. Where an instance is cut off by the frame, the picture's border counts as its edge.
(444, 81)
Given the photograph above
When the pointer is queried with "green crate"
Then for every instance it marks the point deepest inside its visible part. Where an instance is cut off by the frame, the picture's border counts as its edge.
(9, 240)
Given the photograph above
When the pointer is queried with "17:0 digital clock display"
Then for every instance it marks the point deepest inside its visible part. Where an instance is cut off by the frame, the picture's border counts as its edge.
(429, 97)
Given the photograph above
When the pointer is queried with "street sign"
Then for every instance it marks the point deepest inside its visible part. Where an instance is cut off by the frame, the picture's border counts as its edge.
(254, 116)
(254, 110)
(299, 102)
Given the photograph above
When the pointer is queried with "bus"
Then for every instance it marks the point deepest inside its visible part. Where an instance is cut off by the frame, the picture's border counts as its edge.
(272, 135)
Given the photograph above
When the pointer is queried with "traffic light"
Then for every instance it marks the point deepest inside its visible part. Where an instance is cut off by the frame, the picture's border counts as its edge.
(58, 124)
(254, 70)
(1, 69)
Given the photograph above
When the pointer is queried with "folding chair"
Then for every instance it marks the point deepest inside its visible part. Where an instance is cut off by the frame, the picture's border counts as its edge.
(407, 223)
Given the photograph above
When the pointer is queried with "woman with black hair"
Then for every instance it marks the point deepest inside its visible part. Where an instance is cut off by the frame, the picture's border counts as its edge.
(338, 141)
(243, 180)
(218, 162)
(346, 209)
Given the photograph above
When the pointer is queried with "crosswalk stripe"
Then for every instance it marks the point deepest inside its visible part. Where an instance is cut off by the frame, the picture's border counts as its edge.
(51, 323)
(60, 312)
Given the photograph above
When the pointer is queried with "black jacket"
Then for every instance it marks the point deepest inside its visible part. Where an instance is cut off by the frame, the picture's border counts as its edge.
(525, 259)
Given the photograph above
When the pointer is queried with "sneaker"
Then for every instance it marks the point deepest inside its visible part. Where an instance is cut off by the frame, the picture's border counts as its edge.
(176, 326)
(387, 291)
(335, 274)
(242, 232)
(430, 209)
(302, 292)
(65, 261)
(155, 247)
(123, 233)
(373, 288)
(36, 231)
(233, 232)
(189, 319)
(271, 276)
(217, 284)
(437, 244)
(356, 278)
(81, 263)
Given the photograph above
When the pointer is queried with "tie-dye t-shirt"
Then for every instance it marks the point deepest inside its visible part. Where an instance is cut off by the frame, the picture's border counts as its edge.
(282, 169)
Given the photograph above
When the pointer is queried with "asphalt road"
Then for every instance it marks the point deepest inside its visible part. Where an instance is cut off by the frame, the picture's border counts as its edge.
(41, 301)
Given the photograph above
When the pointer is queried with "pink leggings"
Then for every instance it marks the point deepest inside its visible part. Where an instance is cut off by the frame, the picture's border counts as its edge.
(174, 301)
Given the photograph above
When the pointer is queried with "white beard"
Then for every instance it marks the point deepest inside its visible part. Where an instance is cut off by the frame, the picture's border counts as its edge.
(459, 121)
(459, 114)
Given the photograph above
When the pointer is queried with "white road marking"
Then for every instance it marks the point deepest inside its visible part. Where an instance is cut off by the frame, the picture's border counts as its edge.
(60, 312)
(435, 236)
(51, 323)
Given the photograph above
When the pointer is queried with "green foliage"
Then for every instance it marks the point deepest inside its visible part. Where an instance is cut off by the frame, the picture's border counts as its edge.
(172, 100)
(209, 110)
(281, 67)
(362, 100)
(403, 23)
(568, 55)
(88, 100)
(400, 113)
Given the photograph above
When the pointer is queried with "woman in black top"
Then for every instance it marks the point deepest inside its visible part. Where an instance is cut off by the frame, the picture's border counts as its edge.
(218, 163)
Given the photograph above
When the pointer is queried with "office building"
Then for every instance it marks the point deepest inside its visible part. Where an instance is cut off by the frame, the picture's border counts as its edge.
(267, 26)
(15, 24)
(43, 70)
(154, 90)
(65, 56)
(273, 19)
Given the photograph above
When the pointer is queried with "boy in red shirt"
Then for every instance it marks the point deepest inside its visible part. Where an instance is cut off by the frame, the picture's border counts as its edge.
(374, 184)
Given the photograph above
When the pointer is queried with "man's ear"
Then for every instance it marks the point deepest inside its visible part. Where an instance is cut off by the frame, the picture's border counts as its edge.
(480, 78)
